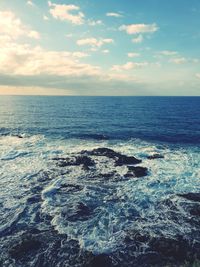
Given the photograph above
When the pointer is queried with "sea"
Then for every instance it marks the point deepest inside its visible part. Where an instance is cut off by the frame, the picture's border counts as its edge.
(54, 214)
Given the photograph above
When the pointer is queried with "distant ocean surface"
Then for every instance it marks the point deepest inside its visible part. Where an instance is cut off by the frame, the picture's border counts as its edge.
(57, 210)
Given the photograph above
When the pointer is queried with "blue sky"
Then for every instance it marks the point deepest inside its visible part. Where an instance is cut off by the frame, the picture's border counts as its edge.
(91, 47)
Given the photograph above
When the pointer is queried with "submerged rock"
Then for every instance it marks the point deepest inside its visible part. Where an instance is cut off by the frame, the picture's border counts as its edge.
(136, 172)
(156, 156)
(27, 245)
(101, 260)
(79, 212)
(177, 249)
(191, 196)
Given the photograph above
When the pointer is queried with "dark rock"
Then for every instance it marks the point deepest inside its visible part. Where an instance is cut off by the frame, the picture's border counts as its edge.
(125, 160)
(75, 161)
(26, 246)
(136, 172)
(177, 249)
(79, 212)
(191, 196)
(102, 151)
(156, 156)
(101, 260)
(195, 210)
(109, 153)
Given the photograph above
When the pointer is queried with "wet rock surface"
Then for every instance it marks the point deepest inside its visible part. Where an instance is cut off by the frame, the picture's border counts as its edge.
(136, 172)
(191, 196)
(156, 156)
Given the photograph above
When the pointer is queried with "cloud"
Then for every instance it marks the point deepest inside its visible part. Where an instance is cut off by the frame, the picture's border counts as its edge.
(23, 59)
(105, 51)
(30, 3)
(69, 13)
(95, 22)
(12, 27)
(139, 28)
(168, 53)
(198, 75)
(138, 39)
(93, 42)
(129, 66)
(131, 55)
(178, 60)
(45, 17)
(113, 14)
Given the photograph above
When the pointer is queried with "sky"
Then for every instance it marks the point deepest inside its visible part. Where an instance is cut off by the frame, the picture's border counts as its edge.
(100, 47)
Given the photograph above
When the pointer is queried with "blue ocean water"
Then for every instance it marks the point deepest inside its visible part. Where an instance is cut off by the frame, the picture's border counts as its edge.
(34, 189)
(170, 119)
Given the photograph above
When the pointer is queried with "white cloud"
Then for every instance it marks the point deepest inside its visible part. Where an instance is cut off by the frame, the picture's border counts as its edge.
(139, 28)
(131, 54)
(168, 53)
(69, 13)
(23, 59)
(95, 22)
(30, 3)
(34, 35)
(138, 39)
(95, 43)
(105, 51)
(113, 14)
(129, 66)
(79, 54)
(198, 75)
(12, 27)
(45, 17)
(178, 60)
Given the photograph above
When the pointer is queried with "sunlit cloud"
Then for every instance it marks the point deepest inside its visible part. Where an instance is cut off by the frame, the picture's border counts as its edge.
(12, 27)
(168, 53)
(70, 13)
(132, 55)
(178, 60)
(129, 66)
(94, 42)
(114, 14)
(139, 28)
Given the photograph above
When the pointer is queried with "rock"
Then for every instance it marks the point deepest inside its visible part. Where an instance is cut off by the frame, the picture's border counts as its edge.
(177, 249)
(101, 260)
(109, 153)
(156, 156)
(79, 212)
(191, 196)
(26, 246)
(76, 161)
(102, 151)
(195, 210)
(125, 160)
(136, 172)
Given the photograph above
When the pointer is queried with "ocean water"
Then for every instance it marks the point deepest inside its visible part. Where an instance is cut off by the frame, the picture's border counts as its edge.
(37, 193)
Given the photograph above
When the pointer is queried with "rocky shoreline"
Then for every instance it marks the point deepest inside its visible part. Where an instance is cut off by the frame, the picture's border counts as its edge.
(38, 244)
